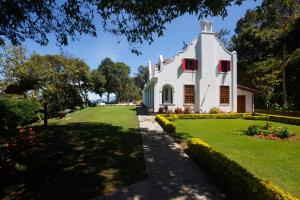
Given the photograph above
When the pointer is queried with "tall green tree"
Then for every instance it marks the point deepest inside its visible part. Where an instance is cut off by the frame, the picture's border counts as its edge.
(141, 77)
(97, 82)
(265, 34)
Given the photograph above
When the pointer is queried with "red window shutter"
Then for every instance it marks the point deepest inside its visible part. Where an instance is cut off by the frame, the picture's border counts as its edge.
(220, 66)
(183, 64)
(195, 64)
(228, 65)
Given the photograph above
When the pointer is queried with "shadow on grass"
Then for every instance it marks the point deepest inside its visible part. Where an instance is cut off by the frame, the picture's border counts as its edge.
(77, 161)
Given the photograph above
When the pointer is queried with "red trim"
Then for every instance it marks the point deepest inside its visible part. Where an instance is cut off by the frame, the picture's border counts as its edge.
(219, 66)
(183, 64)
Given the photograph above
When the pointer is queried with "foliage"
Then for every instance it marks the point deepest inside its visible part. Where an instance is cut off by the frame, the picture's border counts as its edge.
(264, 42)
(17, 112)
(14, 154)
(137, 21)
(264, 158)
(222, 35)
(253, 130)
(97, 82)
(215, 110)
(178, 111)
(250, 117)
(141, 77)
(97, 133)
(282, 119)
(211, 116)
(235, 180)
(282, 132)
(168, 126)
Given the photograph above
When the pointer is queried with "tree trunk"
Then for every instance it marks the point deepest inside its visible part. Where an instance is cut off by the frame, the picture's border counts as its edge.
(283, 75)
(108, 97)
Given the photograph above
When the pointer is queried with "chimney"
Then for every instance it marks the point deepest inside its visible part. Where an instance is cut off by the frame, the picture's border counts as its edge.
(206, 26)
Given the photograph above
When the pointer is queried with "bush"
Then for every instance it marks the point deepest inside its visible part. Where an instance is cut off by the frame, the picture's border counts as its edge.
(282, 132)
(253, 130)
(18, 112)
(232, 178)
(251, 117)
(211, 116)
(178, 111)
(187, 110)
(165, 123)
(282, 119)
(215, 110)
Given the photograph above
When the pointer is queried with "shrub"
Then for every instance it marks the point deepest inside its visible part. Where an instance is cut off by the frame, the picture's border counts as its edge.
(211, 116)
(253, 117)
(282, 119)
(18, 112)
(178, 111)
(265, 132)
(282, 132)
(187, 110)
(231, 177)
(215, 110)
(253, 130)
(165, 123)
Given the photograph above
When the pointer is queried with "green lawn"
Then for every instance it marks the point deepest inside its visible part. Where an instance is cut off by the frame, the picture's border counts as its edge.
(88, 153)
(278, 161)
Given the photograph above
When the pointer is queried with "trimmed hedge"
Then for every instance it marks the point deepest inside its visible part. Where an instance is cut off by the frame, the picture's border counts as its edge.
(17, 112)
(251, 117)
(168, 126)
(211, 116)
(282, 119)
(235, 180)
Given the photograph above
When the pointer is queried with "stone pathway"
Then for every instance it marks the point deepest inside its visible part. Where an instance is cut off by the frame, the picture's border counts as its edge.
(171, 174)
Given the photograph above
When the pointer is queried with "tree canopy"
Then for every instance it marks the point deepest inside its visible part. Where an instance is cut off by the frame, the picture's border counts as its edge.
(138, 21)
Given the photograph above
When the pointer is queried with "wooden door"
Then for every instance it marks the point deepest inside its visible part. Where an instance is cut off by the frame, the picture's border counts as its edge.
(241, 103)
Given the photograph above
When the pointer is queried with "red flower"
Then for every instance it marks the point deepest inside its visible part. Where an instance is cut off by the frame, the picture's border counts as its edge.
(22, 130)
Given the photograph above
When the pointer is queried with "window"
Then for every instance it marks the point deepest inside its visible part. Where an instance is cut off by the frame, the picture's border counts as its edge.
(189, 64)
(224, 66)
(224, 94)
(189, 94)
(167, 95)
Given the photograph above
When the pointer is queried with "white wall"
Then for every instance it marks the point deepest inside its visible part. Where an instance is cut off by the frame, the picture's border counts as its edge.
(208, 50)
(249, 99)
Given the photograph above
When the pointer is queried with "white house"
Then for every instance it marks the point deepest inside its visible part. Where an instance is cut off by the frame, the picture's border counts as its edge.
(202, 76)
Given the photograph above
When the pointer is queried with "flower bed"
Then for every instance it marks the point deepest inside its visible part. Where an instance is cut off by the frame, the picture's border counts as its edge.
(270, 133)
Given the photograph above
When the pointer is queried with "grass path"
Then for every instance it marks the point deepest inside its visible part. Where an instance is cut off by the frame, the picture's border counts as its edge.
(278, 161)
(89, 153)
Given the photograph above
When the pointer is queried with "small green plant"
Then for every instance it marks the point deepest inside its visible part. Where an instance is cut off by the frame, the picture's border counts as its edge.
(265, 132)
(282, 132)
(215, 110)
(253, 130)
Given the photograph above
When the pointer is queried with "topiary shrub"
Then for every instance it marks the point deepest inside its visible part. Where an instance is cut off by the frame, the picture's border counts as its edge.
(18, 112)
(215, 110)
(168, 126)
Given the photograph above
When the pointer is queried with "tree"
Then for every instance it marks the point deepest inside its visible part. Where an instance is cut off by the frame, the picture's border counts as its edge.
(141, 77)
(97, 82)
(121, 80)
(138, 21)
(266, 84)
(222, 35)
(105, 68)
(266, 33)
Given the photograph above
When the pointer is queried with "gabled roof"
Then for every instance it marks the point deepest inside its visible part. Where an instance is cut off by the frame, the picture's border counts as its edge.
(254, 91)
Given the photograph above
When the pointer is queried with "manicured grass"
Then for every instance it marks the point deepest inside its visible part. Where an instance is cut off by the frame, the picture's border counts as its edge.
(277, 161)
(88, 153)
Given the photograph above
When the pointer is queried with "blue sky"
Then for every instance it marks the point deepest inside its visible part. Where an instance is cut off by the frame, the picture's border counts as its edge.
(92, 50)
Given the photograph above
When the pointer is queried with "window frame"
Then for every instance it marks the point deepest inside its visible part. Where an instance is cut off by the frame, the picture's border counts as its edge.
(221, 97)
(191, 62)
(224, 66)
(189, 95)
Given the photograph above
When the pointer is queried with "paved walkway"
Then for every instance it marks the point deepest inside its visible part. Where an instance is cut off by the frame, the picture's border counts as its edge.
(171, 174)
